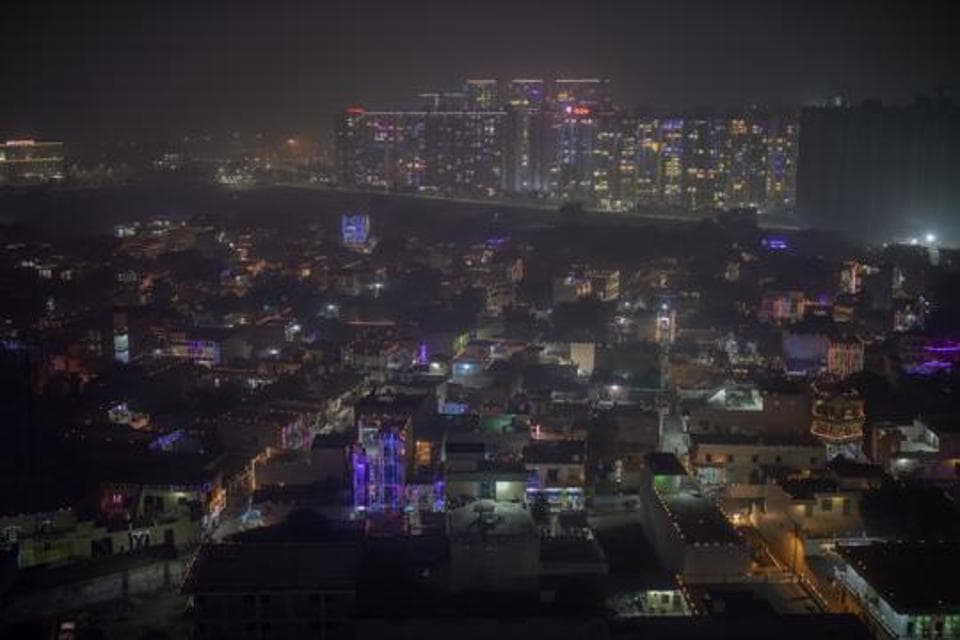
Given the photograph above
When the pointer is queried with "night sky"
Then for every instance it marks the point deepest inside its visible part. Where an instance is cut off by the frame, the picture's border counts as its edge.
(89, 68)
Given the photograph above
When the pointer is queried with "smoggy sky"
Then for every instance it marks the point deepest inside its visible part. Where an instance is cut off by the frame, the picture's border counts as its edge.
(92, 68)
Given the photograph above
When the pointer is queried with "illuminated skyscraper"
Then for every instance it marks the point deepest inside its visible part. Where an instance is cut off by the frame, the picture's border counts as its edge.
(782, 139)
(29, 162)
(382, 149)
(566, 141)
(447, 152)
(482, 95)
(649, 164)
(593, 92)
(573, 143)
(464, 152)
(702, 184)
(671, 159)
(527, 92)
(526, 131)
(606, 175)
(625, 183)
(746, 162)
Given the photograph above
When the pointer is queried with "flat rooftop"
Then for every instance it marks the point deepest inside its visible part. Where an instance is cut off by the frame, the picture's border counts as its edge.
(273, 567)
(750, 440)
(491, 518)
(664, 464)
(699, 520)
(913, 577)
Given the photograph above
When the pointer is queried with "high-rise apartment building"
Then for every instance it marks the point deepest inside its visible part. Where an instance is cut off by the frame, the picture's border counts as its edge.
(702, 181)
(572, 147)
(782, 141)
(30, 162)
(482, 95)
(527, 92)
(671, 160)
(525, 150)
(746, 161)
(565, 141)
(594, 92)
(448, 152)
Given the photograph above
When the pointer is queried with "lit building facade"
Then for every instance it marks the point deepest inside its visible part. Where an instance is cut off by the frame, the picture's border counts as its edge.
(838, 420)
(383, 150)
(565, 141)
(671, 160)
(445, 152)
(746, 163)
(902, 589)
(782, 140)
(573, 138)
(526, 136)
(482, 94)
(31, 162)
(588, 91)
(702, 186)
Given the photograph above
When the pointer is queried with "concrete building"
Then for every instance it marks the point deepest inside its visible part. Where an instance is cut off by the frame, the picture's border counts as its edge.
(294, 590)
(493, 546)
(558, 471)
(688, 531)
(903, 590)
(720, 460)
(770, 409)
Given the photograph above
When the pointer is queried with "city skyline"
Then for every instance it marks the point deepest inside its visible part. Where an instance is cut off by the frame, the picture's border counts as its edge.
(357, 319)
(564, 140)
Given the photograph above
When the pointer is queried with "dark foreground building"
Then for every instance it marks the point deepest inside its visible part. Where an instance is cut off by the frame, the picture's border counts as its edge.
(880, 167)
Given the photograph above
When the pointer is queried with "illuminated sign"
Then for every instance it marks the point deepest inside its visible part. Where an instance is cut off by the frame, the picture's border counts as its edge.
(355, 229)
(355, 111)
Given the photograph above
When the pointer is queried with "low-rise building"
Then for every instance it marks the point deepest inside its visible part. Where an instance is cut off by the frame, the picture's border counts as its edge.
(904, 590)
(292, 590)
(493, 546)
(558, 471)
(722, 459)
(690, 534)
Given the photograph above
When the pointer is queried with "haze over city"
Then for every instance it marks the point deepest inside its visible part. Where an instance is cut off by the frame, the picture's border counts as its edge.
(115, 69)
(468, 320)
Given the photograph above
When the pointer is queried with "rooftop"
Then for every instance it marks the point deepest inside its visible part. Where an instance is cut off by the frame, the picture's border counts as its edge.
(843, 467)
(698, 519)
(750, 440)
(272, 567)
(913, 577)
(490, 517)
(556, 452)
(664, 464)
(337, 440)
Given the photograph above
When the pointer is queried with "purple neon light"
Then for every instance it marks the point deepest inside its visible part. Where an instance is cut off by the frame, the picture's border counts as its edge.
(950, 347)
